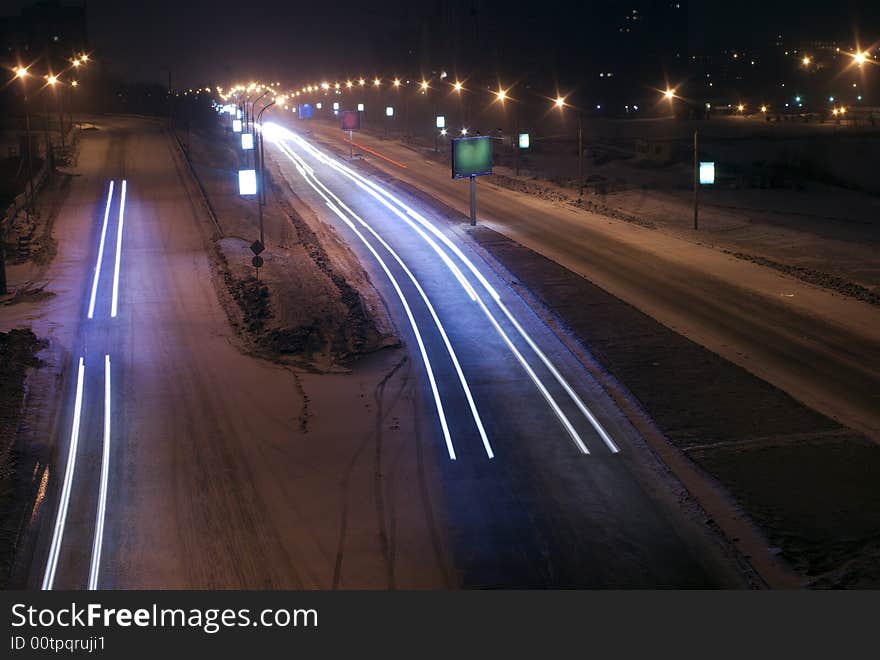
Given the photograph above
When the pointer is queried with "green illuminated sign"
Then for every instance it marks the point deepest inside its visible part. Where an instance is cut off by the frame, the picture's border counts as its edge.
(471, 157)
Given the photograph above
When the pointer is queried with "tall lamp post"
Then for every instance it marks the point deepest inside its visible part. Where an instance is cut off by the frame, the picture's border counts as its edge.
(21, 73)
(261, 190)
(561, 103)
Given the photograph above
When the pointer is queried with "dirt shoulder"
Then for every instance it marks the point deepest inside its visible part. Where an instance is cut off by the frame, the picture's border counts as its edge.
(18, 355)
(311, 303)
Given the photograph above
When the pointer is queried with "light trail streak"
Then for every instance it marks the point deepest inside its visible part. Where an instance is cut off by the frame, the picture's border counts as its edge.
(303, 167)
(115, 304)
(376, 191)
(100, 253)
(422, 350)
(64, 502)
(98, 542)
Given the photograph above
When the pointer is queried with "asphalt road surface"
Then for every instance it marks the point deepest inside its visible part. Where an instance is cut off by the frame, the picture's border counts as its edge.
(179, 461)
(820, 347)
(538, 467)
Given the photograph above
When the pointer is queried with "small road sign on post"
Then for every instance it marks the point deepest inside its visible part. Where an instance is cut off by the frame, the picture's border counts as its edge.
(257, 247)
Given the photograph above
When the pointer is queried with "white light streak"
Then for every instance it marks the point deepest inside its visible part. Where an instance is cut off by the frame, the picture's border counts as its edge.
(115, 304)
(102, 492)
(64, 502)
(100, 253)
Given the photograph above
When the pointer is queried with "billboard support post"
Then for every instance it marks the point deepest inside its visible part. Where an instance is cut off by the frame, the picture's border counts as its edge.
(350, 145)
(473, 200)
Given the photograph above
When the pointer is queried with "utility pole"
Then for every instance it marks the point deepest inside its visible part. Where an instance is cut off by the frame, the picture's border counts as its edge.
(61, 118)
(2, 259)
(30, 151)
(46, 133)
(580, 154)
(696, 180)
(515, 142)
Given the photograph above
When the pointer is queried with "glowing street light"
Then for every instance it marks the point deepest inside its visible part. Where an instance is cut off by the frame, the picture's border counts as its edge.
(362, 82)
(424, 85)
(740, 107)
(457, 86)
(52, 80)
(74, 83)
(464, 131)
(396, 82)
(21, 72)
(860, 58)
(501, 95)
(669, 93)
(559, 102)
(764, 109)
(806, 61)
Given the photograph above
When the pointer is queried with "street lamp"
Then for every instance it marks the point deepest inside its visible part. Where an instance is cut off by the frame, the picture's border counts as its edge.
(560, 103)
(261, 192)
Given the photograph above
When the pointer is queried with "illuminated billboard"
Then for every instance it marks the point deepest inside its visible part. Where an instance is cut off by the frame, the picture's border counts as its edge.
(707, 173)
(247, 182)
(471, 157)
(306, 111)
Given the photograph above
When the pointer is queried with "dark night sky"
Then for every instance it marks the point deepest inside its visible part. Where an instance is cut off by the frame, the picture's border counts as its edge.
(287, 40)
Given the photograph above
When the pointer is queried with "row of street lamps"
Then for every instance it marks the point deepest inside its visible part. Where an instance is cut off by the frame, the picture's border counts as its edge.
(52, 81)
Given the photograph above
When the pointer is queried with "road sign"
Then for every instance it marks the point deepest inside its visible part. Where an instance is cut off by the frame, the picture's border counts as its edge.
(471, 157)
(257, 262)
(257, 247)
(247, 141)
(707, 173)
(389, 111)
(360, 107)
(441, 121)
(236, 125)
(351, 120)
(524, 141)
